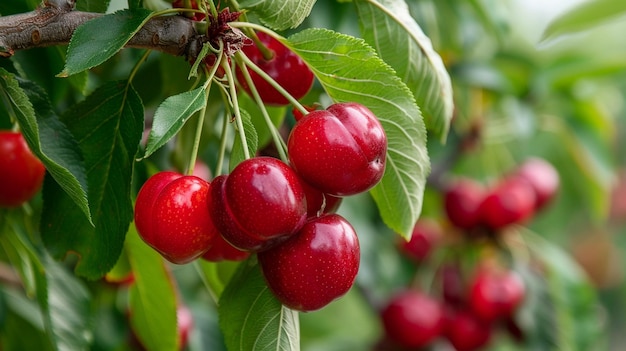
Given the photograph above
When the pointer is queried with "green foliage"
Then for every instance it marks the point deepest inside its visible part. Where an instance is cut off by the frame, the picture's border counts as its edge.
(279, 14)
(107, 126)
(91, 45)
(349, 70)
(172, 114)
(43, 130)
(389, 28)
(152, 297)
(584, 16)
(250, 316)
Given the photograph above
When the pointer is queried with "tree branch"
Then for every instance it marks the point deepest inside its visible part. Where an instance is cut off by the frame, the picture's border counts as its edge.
(55, 23)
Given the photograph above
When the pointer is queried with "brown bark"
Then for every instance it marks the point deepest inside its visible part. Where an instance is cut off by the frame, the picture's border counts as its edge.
(55, 22)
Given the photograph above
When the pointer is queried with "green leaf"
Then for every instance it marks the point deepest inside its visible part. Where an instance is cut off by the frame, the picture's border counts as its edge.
(250, 316)
(388, 26)
(108, 126)
(99, 39)
(252, 141)
(47, 137)
(561, 311)
(349, 70)
(67, 308)
(152, 297)
(584, 16)
(63, 299)
(171, 115)
(99, 6)
(279, 14)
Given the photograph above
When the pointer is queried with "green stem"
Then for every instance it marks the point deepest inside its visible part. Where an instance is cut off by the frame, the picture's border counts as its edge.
(266, 117)
(235, 102)
(143, 58)
(213, 9)
(272, 82)
(191, 165)
(222, 149)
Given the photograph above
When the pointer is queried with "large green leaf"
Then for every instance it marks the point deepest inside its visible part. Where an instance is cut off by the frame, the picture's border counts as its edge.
(108, 126)
(152, 297)
(388, 26)
(172, 114)
(47, 137)
(279, 14)
(561, 311)
(349, 70)
(99, 39)
(252, 319)
(584, 16)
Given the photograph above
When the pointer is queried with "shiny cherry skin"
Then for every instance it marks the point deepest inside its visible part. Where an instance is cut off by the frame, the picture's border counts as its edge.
(465, 331)
(462, 203)
(424, 238)
(260, 203)
(412, 319)
(314, 267)
(285, 67)
(171, 216)
(21, 172)
(542, 176)
(221, 250)
(194, 5)
(510, 201)
(495, 294)
(318, 203)
(340, 151)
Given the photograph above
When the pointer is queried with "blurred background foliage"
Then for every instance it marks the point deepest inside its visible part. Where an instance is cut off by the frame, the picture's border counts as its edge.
(531, 78)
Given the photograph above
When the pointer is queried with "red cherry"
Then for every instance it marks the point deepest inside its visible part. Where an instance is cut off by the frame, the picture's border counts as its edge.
(259, 204)
(412, 319)
(285, 67)
(510, 201)
(465, 331)
(340, 151)
(453, 285)
(314, 267)
(179, 4)
(171, 216)
(542, 176)
(426, 233)
(318, 203)
(462, 201)
(221, 250)
(21, 172)
(495, 294)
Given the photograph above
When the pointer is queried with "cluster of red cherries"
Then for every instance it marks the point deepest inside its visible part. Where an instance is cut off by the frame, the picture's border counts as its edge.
(466, 305)
(283, 211)
(21, 172)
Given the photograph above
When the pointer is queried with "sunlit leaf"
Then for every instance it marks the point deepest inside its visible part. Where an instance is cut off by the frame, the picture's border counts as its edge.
(585, 15)
(171, 115)
(99, 39)
(252, 319)
(349, 70)
(388, 26)
(279, 14)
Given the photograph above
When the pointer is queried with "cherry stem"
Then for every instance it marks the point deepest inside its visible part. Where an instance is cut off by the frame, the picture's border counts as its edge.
(273, 83)
(199, 125)
(213, 9)
(205, 281)
(235, 104)
(268, 121)
(222, 150)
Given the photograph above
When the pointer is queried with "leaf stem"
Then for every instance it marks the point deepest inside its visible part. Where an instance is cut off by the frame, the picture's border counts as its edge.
(143, 58)
(235, 102)
(272, 82)
(280, 147)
